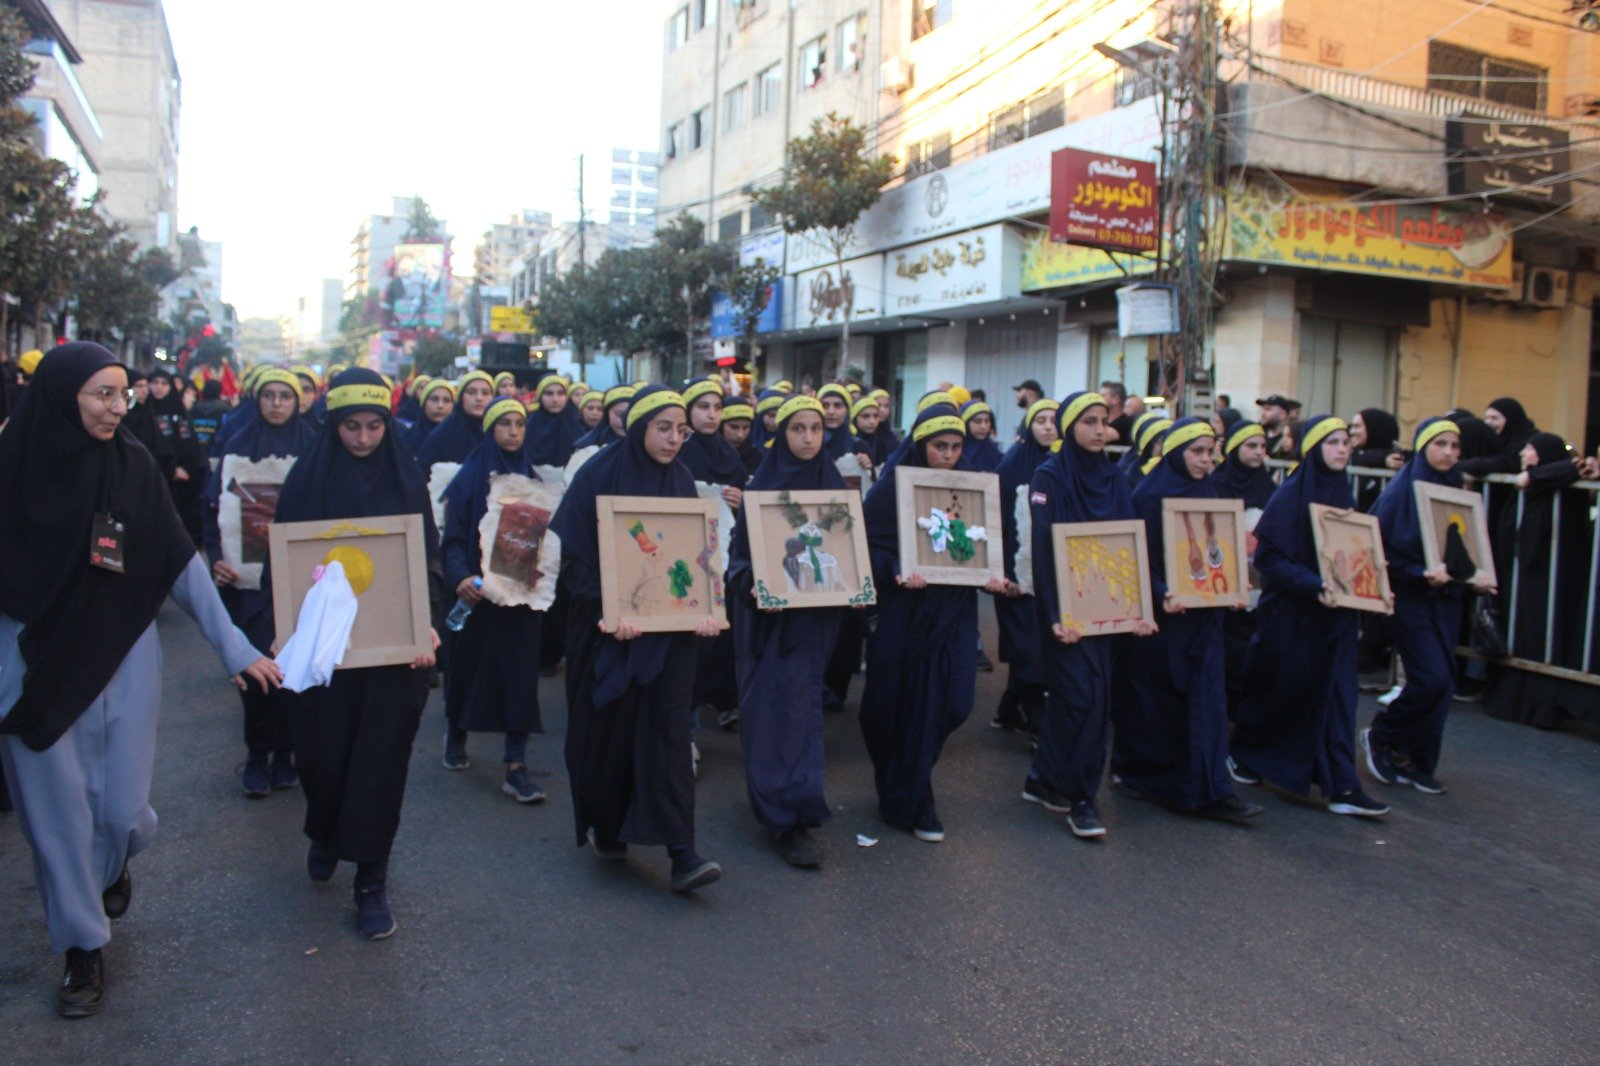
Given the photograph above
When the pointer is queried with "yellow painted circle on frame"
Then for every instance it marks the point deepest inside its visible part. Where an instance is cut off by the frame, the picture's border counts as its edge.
(357, 565)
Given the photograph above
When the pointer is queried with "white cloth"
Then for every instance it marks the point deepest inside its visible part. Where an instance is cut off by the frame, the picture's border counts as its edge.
(321, 632)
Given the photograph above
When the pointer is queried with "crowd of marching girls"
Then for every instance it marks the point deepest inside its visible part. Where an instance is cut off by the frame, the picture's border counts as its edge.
(115, 482)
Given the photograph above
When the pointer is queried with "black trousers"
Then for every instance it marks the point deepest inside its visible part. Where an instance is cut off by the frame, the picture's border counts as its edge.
(352, 746)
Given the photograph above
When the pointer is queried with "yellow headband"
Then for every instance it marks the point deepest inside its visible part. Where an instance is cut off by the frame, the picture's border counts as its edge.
(933, 398)
(771, 403)
(1074, 410)
(476, 375)
(1040, 406)
(1322, 429)
(273, 376)
(594, 397)
(618, 393)
(359, 396)
(1152, 429)
(505, 405)
(302, 369)
(435, 385)
(548, 380)
(875, 393)
(784, 385)
(852, 388)
(419, 387)
(866, 403)
(1186, 435)
(838, 391)
(973, 410)
(1242, 434)
(941, 424)
(795, 404)
(654, 402)
(1433, 429)
(1150, 464)
(504, 375)
(701, 388)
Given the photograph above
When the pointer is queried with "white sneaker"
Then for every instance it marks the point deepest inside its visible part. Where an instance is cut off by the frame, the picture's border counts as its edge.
(1390, 696)
(694, 758)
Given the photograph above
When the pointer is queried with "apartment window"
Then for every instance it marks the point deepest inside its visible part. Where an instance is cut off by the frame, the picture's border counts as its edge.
(622, 175)
(760, 218)
(925, 157)
(728, 226)
(705, 13)
(699, 128)
(929, 15)
(733, 107)
(678, 29)
(813, 54)
(852, 39)
(1028, 118)
(1454, 69)
(769, 89)
(1008, 126)
(1047, 111)
(674, 140)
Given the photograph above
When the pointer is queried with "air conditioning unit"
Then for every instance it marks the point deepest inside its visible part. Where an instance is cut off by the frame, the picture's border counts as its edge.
(1546, 287)
(896, 74)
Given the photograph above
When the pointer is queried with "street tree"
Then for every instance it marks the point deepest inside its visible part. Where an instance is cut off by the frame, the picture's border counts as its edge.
(421, 226)
(748, 287)
(829, 179)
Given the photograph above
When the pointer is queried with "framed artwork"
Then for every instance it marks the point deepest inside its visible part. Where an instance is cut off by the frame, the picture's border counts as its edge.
(387, 565)
(712, 494)
(439, 479)
(1350, 557)
(521, 557)
(1207, 562)
(1455, 530)
(856, 475)
(949, 525)
(658, 563)
(1102, 576)
(244, 512)
(809, 549)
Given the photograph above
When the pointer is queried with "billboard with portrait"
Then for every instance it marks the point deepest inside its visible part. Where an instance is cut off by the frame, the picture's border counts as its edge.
(418, 289)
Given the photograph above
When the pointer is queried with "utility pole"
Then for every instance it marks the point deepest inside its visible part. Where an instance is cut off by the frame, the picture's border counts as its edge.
(583, 260)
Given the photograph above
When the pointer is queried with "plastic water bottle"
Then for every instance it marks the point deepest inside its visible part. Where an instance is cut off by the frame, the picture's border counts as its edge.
(457, 619)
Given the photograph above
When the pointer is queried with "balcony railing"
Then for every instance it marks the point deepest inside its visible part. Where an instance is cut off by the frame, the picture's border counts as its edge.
(1364, 88)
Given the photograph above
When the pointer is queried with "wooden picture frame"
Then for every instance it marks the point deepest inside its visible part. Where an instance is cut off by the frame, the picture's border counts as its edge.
(1206, 561)
(1350, 558)
(939, 538)
(1441, 506)
(658, 568)
(245, 510)
(1102, 576)
(808, 548)
(387, 564)
(520, 558)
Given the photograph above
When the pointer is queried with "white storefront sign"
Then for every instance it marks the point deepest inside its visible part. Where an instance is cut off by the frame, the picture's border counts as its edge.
(768, 246)
(975, 267)
(997, 185)
(822, 295)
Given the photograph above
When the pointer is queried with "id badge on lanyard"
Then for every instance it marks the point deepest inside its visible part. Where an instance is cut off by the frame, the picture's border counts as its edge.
(107, 542)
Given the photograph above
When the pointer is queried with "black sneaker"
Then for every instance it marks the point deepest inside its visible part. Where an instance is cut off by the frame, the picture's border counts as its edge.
(1122, 788)
(1036, 791)
(928, 828)
(1357, 803)
(985, 664)
(1380, 760)
(520, 787)
(455, 755)
(116, 898)
(373, 916)
(798, 848)
(83, 984)
(1241, 773)
(728, 720)
(1469, 691)
(606, 849)
(321, 862)
(1230, 809)
(256, 778)
(690, 872)
(284, 775)
(1084, 821)
(1425, 782)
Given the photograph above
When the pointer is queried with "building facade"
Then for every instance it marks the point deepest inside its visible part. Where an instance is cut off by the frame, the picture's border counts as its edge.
(68, 129)
(504, 243)
(130, 76)
(1360, 263)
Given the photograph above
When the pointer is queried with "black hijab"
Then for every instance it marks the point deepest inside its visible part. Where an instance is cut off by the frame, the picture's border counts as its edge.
(710, 458)
(140, 423)
(79, 621)
(551, 437)
(1235, 481)
(1518, 428)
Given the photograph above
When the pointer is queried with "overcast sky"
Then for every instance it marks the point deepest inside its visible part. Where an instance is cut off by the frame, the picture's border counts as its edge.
(301, 118)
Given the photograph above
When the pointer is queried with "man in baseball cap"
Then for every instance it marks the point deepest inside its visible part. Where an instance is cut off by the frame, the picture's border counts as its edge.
(1276, 411)
(1029, 393)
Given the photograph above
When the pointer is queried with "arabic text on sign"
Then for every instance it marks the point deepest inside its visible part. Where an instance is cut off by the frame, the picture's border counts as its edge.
(1134, 195)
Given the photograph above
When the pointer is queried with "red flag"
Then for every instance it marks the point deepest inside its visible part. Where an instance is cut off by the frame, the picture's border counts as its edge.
(230, 387)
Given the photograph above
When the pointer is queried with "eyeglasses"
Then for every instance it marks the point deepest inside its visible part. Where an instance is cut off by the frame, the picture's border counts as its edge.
(278, 397)
(108, 395)
(672, 429)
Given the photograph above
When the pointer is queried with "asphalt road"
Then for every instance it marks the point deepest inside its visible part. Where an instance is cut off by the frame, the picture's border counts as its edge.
(1464, 928)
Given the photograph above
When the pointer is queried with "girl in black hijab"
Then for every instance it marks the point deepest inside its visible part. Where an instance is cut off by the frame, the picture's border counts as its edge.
(628, 693)
(713, 461)
(92, 548)
(1374, 443)
(140, 424)
(353, 736)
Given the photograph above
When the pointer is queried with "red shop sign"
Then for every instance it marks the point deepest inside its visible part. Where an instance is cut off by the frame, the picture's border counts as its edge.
(1104, 201)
